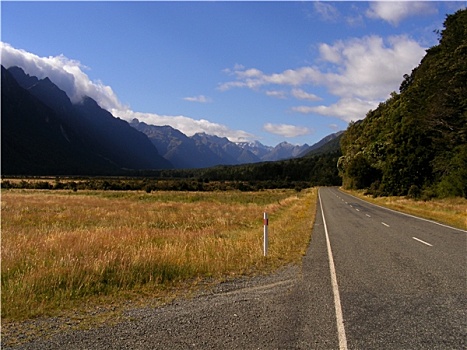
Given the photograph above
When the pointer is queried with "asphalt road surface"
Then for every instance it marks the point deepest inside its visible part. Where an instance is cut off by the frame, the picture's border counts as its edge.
(401, 280)
(371, 279)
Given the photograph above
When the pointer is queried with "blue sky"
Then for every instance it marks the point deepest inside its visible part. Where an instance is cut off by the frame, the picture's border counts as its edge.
(267, 71)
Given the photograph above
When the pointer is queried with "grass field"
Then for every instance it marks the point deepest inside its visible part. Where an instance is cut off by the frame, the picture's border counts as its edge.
(64, 250)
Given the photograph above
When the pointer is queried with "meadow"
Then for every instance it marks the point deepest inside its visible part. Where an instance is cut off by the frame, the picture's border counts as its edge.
(65, 250)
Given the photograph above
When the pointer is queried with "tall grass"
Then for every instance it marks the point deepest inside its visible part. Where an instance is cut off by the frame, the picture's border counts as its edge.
(61, 250)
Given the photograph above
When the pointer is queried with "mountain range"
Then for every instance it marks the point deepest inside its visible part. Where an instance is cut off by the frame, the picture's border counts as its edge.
(44, 133)
(202, 150)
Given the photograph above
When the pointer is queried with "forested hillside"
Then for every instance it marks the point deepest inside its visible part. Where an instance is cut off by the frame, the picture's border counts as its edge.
(415, 143)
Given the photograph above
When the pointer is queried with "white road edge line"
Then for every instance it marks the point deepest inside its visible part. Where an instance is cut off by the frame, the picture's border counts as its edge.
(385, 224)
(335, 288)
(417, 239)
(412, 216)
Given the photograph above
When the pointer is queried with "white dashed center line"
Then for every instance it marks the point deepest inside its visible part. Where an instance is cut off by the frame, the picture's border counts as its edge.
(419, 240)
(385, 224)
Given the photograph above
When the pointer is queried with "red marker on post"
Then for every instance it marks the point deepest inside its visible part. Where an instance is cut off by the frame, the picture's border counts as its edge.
(265, 240)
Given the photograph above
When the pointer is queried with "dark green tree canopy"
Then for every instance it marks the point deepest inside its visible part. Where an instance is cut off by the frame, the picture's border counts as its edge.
(417, 139)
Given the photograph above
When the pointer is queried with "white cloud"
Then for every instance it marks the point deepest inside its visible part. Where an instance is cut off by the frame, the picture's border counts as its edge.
(254, 78)
(330, 53)
(355, 20)
(186, 125)
(367, 67)
(65, 73)
(326, 11)
(371, 68)
(200, 99)
(286, 130)
(68, 75)
(276, 93)
(347, 109)
(303, 95)
(364, 69)
(396, 11)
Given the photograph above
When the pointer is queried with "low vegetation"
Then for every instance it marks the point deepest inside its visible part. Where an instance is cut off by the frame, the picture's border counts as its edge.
(148, 184)
(62, 250)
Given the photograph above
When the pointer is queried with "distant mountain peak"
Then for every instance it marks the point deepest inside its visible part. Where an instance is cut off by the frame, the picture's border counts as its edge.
(285, 144)
(47, 134)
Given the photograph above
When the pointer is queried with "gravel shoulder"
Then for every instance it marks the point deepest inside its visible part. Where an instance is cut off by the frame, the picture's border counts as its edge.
(242, 313)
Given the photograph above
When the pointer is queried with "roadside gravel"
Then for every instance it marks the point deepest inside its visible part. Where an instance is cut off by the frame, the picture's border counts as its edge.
(246, 313)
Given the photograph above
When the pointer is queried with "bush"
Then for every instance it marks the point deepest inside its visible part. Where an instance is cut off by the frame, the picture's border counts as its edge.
(414, 192)
(427, 195)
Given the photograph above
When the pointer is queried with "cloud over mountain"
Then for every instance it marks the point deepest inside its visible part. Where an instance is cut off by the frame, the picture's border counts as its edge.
(347, 109)
(186, 125)
(287, 130)
(64, 72)
(69, 75)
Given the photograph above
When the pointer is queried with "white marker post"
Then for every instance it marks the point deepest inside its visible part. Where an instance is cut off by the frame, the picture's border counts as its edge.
(265, 242)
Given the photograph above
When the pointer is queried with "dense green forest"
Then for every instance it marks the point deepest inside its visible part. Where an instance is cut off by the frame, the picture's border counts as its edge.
(415, 143)
(299, 173)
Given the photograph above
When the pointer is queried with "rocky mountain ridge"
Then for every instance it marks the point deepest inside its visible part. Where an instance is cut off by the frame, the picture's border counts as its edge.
(202, 150)
(43, 132)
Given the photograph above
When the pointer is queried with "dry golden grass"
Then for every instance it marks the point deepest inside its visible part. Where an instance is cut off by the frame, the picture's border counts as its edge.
(450, 211)
(61, 250)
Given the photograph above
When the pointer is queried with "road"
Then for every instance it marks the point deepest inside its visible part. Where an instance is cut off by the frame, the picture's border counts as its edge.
(371, 279)
(401, 280)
